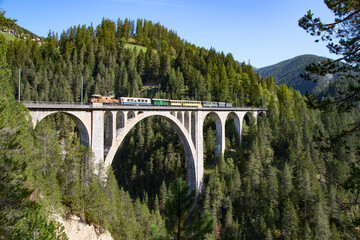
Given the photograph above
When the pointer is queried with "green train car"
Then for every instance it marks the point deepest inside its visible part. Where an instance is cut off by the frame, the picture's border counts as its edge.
(209, 104)
(160, 102)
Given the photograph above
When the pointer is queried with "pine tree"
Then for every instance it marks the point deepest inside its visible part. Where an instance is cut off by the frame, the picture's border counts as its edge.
(181, 220)
(290, 221)
(254, 168)
(305, 190)
(48, 163)
(322, 228)
(163, 195)
(287, 180)
(307, 234)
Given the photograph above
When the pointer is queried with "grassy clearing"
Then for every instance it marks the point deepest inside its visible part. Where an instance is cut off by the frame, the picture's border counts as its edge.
(8, 37)
(138, 47)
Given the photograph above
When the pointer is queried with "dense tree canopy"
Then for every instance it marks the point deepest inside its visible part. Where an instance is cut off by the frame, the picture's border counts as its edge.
(277, 183)
(146, 60)
(343, 96)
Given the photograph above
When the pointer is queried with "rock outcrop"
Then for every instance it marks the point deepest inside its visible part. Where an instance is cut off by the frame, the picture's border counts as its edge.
(77, 230)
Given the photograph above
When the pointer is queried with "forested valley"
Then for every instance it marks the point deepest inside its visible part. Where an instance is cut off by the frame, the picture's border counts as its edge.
(280, 182)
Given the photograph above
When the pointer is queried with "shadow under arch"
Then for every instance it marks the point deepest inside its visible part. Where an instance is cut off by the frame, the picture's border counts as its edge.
(249, 118)
(219, 132)
(83, 131)
(232, 116)
(261, 115)
(185, 138)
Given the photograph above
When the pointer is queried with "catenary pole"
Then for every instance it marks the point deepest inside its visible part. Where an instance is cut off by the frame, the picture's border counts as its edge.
(236, 100)
(82, 89)
(19, 85)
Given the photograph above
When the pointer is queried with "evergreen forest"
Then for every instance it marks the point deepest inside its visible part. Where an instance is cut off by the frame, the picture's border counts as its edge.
(285, 180)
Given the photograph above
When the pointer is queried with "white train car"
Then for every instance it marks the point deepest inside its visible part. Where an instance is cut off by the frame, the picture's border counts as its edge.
(135, 101)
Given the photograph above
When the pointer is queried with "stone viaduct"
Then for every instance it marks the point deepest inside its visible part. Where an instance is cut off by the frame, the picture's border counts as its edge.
(104, 127)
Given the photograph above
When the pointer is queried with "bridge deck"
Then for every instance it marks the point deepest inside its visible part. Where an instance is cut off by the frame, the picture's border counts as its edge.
(112, 107)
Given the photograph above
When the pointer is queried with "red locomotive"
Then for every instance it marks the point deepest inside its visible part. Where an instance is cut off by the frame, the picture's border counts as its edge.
(97, 98)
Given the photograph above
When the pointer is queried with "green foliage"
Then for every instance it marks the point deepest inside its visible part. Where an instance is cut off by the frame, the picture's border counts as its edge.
(282, 173)
(4, 21)
(181, 218)
(36, 226)
(20, 215)
(67, 183)
(278, 183)
(341, 36)
(148, 162)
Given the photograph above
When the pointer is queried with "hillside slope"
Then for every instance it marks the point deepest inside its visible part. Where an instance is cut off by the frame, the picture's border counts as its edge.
(276, 184)
(288, 72)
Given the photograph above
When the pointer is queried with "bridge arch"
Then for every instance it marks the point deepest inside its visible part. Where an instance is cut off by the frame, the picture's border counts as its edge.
(120, 120)
(108, 130)
(245, 118)
(220, 130)
(180, 116)
(187, 122)
(190, 153)
(248, 117)
(79, 119)
(131, 114)
(237, 124)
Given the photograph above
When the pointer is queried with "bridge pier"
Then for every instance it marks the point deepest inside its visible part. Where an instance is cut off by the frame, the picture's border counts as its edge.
(197, 129)
(114, 121)
(97, 136)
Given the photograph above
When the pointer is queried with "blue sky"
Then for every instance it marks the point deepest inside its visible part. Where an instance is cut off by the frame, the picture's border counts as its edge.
(263, 32)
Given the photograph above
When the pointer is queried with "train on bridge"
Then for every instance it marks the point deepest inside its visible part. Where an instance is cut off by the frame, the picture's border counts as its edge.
(96, 98)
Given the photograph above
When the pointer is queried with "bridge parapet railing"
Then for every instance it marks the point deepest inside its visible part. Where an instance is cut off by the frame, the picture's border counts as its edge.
(55, 103)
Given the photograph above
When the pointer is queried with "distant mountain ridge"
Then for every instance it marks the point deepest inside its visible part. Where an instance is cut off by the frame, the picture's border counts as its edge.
(288, 72)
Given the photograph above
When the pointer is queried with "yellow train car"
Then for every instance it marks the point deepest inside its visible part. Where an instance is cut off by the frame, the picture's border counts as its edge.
(176, 102)
(191, 103)
(188, 103)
